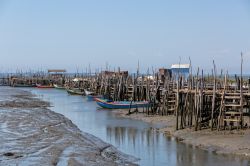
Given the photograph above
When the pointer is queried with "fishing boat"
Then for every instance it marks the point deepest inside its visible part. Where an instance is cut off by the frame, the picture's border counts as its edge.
(75, 91)
(44, 86)
(88, 92)
(120, 104)
(23, 85)
(93, 97)
(58, 87)
(21, 82)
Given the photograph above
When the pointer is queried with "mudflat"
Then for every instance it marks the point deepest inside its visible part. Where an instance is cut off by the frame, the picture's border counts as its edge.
(32, 134)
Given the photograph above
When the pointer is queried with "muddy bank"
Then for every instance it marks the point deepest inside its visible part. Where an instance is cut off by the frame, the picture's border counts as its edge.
(31, 134)
(235, 142)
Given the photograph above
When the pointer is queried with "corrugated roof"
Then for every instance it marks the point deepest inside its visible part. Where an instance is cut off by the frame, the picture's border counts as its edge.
(57, 70)
(180, 66)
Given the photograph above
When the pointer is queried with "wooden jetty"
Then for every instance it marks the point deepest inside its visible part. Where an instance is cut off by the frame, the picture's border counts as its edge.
(197, 100)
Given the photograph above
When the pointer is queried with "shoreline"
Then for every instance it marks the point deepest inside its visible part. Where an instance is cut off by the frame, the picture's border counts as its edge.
(235, 142)
(18, 103)
(32, 134)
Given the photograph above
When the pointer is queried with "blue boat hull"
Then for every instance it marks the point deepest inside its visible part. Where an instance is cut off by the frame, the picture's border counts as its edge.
(121, 105)
(92, 98)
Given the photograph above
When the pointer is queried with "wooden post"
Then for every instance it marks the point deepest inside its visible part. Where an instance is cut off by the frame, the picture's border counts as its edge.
(241, 95)
(222, 105)
(213, 100)
(177, 105)
(196, 100)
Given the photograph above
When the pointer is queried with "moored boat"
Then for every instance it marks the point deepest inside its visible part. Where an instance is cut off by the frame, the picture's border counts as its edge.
(44, 86)
(23, 85)
(58, 87)
(93, 97)
(75, 91)
(88, 92)
(120, 104)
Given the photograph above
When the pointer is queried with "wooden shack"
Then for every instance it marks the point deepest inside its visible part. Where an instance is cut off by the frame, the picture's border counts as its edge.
(180, 70)
(164, 73)
(114, 74)
(56, 72)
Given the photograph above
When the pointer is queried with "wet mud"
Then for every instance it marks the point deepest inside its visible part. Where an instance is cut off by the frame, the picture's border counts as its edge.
(32, 134)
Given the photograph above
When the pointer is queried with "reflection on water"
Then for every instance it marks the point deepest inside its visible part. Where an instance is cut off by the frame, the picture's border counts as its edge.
(131, 136)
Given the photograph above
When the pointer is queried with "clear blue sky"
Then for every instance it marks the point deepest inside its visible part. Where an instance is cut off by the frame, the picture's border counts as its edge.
(74, 34)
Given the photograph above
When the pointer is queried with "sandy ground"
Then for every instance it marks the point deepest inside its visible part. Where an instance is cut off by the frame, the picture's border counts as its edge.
(235, 142)
(31, 134)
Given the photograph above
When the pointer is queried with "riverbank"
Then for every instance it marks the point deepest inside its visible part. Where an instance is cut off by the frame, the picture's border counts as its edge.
(32, 134)
(235, 142)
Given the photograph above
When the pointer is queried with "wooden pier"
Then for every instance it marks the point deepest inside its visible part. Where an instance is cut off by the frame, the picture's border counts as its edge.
(197, 101)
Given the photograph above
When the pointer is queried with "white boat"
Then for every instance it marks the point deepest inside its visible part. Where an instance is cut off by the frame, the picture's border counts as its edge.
(88, 92)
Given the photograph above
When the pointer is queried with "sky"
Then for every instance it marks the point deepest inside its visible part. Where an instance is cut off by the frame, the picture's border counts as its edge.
(74, 35)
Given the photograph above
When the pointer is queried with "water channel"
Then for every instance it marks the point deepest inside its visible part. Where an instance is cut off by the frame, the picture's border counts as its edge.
(131, 136)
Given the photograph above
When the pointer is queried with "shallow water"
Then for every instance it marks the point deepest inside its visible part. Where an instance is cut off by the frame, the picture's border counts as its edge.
(131, 136)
